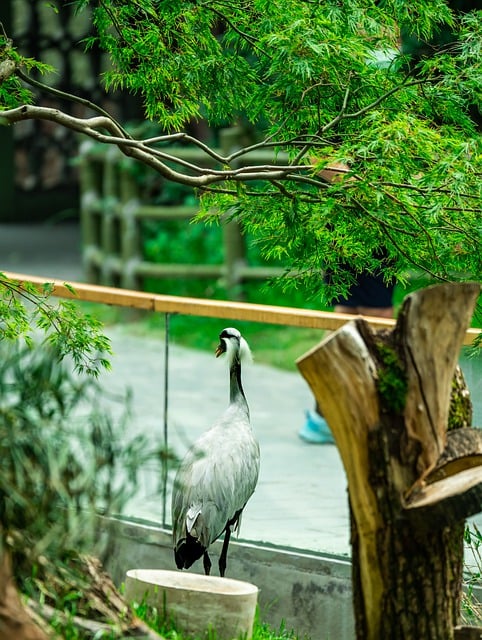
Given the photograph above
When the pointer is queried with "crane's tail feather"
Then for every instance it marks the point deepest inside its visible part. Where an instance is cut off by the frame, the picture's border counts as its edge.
(187, 551)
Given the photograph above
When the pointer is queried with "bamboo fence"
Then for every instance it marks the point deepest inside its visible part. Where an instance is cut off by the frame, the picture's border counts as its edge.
(112, 213)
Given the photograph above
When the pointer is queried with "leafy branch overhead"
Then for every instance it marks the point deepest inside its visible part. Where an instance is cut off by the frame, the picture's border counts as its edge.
(311, 85)
(68, 331)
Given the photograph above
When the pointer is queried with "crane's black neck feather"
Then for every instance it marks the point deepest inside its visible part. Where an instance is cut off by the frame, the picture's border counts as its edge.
(236, 391)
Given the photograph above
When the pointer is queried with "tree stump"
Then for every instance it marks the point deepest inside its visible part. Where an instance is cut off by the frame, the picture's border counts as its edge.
(411, 482)
(15, 622)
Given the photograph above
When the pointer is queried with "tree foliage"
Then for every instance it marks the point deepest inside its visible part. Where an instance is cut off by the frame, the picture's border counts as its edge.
(23, 310)
(64, 458)
(317, 83)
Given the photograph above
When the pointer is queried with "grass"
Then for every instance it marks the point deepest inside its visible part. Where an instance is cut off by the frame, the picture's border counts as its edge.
(274, 345)
(167, 629)
(471, 609)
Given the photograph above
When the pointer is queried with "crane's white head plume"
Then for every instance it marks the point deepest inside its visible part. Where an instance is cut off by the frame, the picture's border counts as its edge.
(232, 343)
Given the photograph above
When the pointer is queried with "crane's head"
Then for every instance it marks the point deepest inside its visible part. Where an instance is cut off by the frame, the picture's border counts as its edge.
(234, 345)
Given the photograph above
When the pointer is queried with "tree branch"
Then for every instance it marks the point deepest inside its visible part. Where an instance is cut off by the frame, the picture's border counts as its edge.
(242, 34)
(137, 149)
(70, 97)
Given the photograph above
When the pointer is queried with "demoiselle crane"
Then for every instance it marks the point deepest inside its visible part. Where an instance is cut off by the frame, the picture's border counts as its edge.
(219, 472)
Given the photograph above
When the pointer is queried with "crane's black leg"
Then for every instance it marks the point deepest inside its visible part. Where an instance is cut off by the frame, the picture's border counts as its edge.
(206, 563)
(224, 551)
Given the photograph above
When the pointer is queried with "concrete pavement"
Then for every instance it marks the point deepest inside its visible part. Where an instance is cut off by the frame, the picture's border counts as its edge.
(301, 498)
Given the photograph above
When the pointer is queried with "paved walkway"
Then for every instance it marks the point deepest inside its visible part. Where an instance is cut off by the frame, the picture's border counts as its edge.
(47, 250)
(300, 500)
(301, 497)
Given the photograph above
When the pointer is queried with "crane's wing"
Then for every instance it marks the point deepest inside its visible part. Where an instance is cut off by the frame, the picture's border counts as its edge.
(214, 482)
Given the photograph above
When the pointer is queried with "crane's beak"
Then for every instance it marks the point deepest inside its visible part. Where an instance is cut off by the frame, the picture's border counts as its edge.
(220, 349)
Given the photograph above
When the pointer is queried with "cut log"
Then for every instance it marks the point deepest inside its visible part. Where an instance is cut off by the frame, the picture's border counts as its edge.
(462, 451)
(386, 398)
(452, 491)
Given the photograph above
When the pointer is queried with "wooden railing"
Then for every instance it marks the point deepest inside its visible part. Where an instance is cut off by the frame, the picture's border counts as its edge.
(113, 210)
(308, 318)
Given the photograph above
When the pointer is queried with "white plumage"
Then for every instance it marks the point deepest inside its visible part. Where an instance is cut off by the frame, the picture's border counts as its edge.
(219, 472)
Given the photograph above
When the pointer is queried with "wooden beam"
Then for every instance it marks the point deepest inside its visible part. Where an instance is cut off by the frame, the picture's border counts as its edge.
(290, 316)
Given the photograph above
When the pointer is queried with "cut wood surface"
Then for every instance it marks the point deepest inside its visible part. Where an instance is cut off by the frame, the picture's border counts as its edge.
(463, 450)
(447, 501)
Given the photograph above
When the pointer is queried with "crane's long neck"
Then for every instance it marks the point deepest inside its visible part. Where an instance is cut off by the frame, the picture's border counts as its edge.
(236, 391)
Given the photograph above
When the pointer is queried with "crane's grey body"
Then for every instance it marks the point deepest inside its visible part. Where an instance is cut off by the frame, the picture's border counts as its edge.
(218, 474)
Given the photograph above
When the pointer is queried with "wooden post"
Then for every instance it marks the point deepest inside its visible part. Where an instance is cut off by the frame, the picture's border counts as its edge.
(111, 211)
(110, 234)
(90, 213)
(411, 484)
(234, 259)
(130, 239)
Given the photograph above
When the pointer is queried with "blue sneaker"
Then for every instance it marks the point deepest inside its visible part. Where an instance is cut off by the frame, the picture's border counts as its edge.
(316, 429)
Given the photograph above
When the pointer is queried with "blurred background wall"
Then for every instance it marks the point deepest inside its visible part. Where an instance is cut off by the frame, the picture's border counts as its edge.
(37, 168)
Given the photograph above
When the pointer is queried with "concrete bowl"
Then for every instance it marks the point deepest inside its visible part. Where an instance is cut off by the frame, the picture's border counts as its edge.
(197, 603)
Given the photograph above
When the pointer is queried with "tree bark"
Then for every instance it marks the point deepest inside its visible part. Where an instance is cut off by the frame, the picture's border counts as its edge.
(386, 397)
(15, 622)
